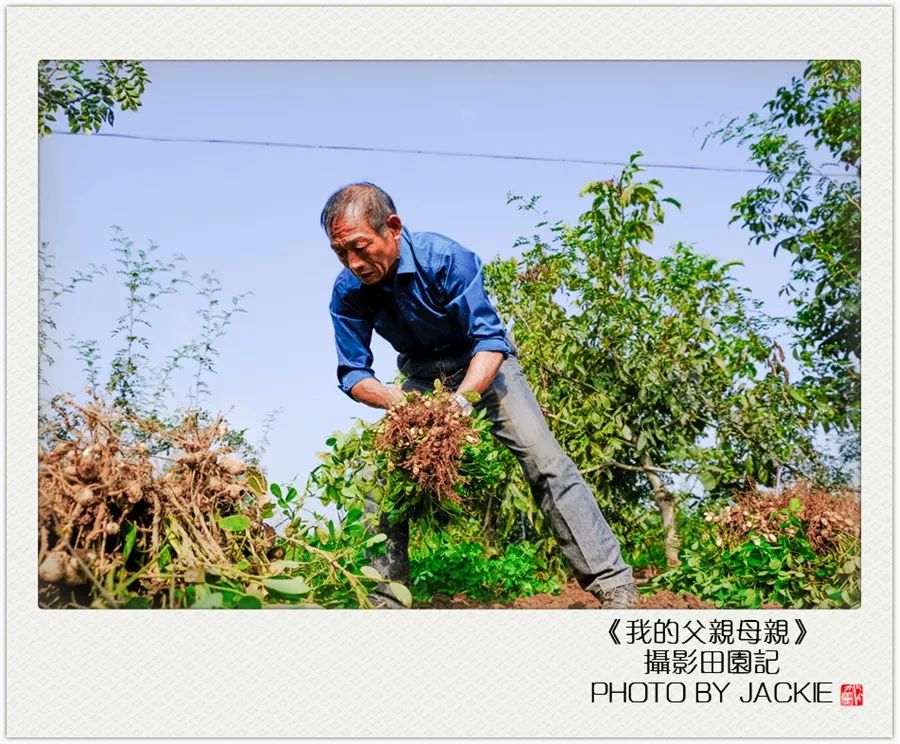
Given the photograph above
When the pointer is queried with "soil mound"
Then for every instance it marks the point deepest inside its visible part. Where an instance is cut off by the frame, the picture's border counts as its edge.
(666, 600)
(572, 597)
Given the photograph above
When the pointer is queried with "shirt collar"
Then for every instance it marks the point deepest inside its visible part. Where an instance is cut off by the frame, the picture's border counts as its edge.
(407, 264)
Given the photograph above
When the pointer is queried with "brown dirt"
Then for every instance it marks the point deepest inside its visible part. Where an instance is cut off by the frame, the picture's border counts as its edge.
(572, 597)
(666, 600)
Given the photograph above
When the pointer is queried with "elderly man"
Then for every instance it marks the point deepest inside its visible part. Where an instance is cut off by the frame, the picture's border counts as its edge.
(425, 294)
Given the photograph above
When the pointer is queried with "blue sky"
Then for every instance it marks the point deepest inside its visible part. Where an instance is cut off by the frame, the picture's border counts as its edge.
(251, 213)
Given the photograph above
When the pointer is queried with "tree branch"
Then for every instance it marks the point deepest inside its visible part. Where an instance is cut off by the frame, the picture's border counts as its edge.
(624, 466)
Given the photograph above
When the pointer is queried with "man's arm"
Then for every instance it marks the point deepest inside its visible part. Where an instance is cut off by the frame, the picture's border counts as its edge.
(353, 336)
(481, 372)
(375, 393)
(463, 283)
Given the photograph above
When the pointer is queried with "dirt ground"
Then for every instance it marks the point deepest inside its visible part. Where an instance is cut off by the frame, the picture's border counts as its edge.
(572, 597)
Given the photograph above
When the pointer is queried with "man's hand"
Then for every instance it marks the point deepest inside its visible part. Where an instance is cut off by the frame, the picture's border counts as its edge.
(375, 393)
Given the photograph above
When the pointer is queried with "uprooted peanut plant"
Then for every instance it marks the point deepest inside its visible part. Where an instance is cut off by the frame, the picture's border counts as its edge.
(133, 513)
(798, 548)
(425, 437)
(424, 459)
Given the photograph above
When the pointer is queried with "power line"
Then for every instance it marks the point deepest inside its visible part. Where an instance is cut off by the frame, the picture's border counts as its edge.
(403, 151)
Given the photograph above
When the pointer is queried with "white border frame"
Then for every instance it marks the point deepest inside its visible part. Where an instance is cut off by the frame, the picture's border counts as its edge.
(437, 673)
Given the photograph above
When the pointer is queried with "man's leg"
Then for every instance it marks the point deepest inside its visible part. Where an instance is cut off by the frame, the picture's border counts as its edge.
(393, 564)
(559, 489)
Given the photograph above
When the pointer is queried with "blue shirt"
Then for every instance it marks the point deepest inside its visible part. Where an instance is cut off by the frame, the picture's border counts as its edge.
(434, 303)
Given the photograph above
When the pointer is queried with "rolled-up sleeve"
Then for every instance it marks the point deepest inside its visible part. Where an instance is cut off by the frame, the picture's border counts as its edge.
(352, 339)
(463, 284)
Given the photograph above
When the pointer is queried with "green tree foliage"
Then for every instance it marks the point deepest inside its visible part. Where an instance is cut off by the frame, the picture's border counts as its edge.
(816, 218)
(88, 97)
(649, 370)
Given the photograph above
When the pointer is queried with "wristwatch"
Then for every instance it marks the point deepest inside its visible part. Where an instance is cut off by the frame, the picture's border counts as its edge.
(463, 403)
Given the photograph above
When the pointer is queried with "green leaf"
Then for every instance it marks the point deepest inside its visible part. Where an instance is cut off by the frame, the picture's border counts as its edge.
(280, 566)
(401, 593)
(353, 515)
(235, 522)
(641, 442)
(287, 586)
(371, 573)
(256, 482)
(375, 539)
(249, 602)
(137, 603)
(276, 490)
(795, 506)
(211, 601)
(708, 480)
(626, 432)
(130, 536)
(473, 396)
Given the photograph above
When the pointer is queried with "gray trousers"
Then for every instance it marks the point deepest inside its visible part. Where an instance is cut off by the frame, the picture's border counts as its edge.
(561, 494)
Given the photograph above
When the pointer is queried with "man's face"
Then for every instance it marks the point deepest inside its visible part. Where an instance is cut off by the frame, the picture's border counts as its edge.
(370, 256)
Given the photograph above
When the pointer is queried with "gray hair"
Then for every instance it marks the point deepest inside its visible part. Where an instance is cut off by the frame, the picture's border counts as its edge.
(375, 204)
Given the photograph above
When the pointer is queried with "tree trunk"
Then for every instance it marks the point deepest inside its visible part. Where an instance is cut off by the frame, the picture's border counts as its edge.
(665, 501)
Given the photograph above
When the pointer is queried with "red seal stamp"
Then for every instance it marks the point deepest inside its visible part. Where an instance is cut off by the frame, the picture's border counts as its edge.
(851, 694)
